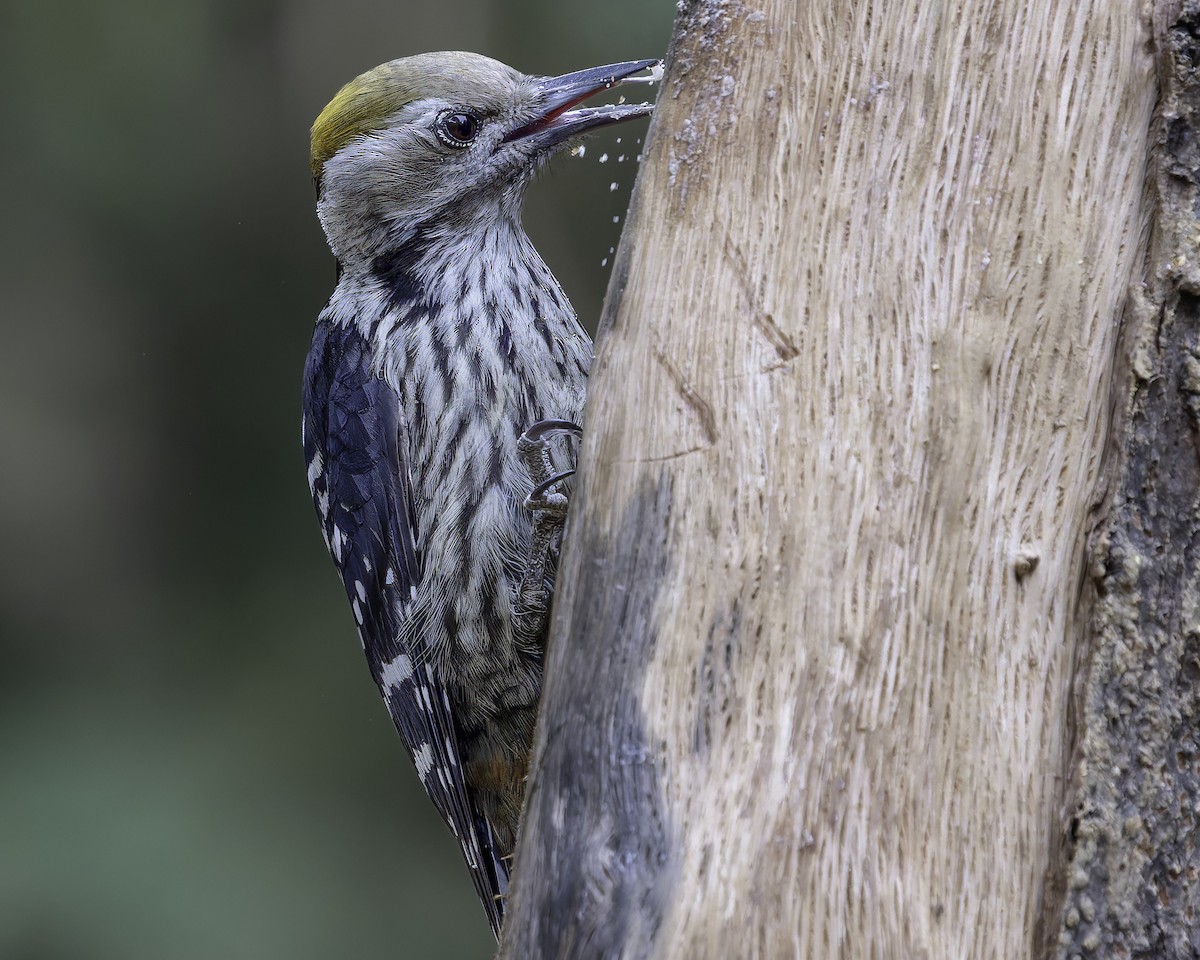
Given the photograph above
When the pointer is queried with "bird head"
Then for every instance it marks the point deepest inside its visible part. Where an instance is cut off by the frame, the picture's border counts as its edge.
(448, 140)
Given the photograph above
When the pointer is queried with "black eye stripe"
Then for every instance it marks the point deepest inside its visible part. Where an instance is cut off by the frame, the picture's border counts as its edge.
(457, 128)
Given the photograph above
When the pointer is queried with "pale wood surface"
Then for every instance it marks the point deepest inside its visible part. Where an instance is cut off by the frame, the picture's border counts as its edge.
(843, 437)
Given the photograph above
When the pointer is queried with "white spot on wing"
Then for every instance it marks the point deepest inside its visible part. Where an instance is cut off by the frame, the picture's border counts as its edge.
(396, 672)
(390, 577)
(360, 590)
(315, 466)
(358, 614)
(423, 758)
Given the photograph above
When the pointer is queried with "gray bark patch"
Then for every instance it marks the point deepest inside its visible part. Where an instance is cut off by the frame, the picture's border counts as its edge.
(599, 862)
(1133, 881)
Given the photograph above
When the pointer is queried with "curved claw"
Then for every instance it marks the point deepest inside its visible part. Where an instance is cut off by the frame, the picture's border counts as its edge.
(548, 428)
(540, 490)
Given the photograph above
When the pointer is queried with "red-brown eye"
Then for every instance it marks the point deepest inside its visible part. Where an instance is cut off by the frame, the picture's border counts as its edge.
(457, 129)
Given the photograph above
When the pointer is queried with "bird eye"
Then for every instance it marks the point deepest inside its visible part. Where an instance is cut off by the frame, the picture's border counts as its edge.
(457, 129)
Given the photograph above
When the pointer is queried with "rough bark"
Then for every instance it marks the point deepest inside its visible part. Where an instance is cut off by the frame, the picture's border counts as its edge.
(812, 688)
(1134, 877)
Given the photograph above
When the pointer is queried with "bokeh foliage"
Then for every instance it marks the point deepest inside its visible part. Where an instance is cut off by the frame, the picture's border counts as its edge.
(193, 762)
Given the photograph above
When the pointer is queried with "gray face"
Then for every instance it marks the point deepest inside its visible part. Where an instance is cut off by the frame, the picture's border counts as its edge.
(446, 143)
(437, 154)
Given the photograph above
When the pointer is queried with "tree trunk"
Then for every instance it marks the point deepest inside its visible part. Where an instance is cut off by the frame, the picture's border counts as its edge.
(818, 684)
(1134, 877)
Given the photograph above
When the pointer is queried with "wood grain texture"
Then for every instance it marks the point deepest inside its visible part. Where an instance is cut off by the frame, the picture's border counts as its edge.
(842, 441)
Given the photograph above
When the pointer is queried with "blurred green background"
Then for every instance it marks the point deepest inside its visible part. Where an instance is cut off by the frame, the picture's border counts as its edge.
(193, 761)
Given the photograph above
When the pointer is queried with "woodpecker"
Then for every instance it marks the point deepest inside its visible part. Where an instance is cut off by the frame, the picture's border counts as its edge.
(445, 340)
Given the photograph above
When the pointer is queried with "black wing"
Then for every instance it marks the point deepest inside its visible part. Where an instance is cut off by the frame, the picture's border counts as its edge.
(361, 489)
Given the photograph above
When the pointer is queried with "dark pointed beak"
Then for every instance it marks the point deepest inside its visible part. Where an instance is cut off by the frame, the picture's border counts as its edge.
(555, 121)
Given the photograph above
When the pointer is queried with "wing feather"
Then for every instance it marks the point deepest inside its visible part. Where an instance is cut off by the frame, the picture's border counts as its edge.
(353, 445)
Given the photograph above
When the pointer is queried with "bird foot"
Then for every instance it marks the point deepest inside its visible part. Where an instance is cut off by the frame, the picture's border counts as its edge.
(549, 515)
(533, 449)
